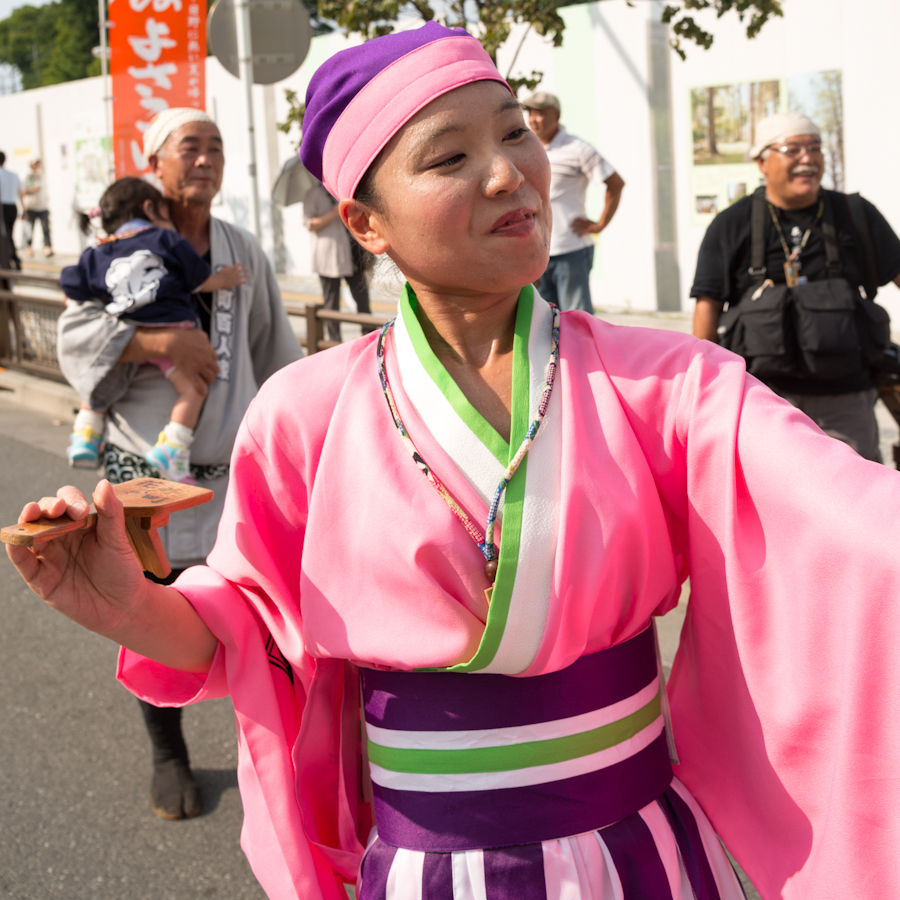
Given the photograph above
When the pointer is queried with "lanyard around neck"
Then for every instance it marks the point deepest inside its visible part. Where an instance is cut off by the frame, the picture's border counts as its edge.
(788, 255)
(484, 541)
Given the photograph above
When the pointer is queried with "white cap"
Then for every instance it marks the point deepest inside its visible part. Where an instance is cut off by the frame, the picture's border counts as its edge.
(778, 128)
(165, 122)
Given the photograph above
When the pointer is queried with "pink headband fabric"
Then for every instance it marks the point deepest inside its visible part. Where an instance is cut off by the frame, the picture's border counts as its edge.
(391, 99)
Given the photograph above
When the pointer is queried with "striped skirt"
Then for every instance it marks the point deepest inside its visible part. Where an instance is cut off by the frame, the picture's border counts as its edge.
(666, 851)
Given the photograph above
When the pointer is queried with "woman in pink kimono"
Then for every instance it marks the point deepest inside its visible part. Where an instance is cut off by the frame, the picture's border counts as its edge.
(443, 547)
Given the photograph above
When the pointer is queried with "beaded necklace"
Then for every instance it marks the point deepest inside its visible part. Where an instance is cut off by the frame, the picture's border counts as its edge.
(485, 541)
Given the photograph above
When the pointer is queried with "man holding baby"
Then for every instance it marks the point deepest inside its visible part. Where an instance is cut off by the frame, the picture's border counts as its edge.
(245, 337)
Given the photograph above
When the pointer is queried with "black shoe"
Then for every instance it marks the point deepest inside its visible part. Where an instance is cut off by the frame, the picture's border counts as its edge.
(173, 792)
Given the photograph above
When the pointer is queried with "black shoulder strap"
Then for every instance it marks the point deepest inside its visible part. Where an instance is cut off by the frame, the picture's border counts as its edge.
(832, 252)
(757, 270)
(869, 271)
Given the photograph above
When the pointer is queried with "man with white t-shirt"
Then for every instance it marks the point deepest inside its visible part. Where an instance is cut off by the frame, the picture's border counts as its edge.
(573, 162)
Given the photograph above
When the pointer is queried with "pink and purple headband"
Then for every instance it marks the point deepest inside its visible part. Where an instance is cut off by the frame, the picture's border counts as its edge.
(360, 98)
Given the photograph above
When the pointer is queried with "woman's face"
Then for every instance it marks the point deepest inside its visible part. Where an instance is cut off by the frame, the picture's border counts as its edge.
(464, 195)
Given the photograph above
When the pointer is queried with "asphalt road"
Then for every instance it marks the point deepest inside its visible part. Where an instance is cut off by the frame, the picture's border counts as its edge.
(75, 819)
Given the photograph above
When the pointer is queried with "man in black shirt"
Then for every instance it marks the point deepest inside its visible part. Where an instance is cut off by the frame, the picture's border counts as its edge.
(788, 151)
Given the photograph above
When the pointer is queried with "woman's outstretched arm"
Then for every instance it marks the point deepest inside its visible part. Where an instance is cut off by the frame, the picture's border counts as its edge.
(93, 578)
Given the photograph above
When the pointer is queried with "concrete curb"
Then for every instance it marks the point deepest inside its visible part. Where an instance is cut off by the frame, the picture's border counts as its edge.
(59, 401)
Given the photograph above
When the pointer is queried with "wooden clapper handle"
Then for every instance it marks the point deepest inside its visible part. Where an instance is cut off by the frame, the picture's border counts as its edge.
(148, 503)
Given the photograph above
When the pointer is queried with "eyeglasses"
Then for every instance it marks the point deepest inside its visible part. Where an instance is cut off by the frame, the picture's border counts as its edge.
(795, 151)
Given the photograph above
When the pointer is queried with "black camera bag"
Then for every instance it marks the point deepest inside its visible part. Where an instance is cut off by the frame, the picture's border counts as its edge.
(822, 330)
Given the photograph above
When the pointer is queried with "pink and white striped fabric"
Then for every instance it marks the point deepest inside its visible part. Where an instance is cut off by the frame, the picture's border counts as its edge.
(666, 851)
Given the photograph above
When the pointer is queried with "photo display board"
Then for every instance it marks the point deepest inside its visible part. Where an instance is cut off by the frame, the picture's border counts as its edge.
(723, 121)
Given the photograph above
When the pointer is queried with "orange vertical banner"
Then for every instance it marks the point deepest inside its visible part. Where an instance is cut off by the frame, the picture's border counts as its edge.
(157, 61)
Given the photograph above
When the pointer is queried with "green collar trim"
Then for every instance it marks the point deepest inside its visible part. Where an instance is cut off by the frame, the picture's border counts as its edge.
(515, 492)
(483, 430)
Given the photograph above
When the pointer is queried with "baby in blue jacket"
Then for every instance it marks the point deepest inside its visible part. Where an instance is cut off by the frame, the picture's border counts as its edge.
(148, 274)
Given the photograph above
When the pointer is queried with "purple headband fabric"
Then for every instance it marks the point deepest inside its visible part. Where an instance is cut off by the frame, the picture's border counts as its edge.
(380, 85)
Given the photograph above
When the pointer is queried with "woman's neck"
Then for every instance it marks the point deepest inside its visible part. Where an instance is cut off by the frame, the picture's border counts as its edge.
(192, 222)
(469, 330)
(473, 338)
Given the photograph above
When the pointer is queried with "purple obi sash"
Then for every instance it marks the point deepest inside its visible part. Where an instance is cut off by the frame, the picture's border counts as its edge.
(467, 761)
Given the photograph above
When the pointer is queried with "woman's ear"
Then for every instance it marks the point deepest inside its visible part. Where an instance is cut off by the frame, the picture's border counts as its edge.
(149, 210)
(366, 225)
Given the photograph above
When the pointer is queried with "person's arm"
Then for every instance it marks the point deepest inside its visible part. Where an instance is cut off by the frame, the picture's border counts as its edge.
(614, 186)
(94, 578)
(884, 245)
(317, 223)
(226, 277)
(706, 319)
(713, 282)
(789, 540)
(188, 348)
(99, 353)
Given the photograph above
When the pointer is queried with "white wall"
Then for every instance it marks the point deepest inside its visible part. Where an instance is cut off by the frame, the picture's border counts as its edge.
(600, 75)
(624, 275)
(68, 113)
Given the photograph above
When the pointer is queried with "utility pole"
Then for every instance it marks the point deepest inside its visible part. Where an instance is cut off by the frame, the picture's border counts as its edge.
(245, 73)
(107, 93)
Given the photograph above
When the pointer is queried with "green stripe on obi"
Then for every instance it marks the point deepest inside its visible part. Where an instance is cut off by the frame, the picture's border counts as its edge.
(517, 756)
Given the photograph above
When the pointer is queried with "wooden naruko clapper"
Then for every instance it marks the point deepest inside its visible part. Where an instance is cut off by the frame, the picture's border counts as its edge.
(148, 503)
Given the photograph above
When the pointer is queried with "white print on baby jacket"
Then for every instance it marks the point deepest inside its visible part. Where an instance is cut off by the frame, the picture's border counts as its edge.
(133, 281)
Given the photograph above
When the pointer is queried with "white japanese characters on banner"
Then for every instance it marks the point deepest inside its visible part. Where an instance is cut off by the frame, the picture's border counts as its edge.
(157, 58)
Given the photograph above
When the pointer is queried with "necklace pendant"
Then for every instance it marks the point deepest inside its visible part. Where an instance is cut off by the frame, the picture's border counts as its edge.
(791, 278)
(488, 593)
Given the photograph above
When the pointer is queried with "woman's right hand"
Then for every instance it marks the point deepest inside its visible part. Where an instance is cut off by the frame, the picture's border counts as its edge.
(91, 576)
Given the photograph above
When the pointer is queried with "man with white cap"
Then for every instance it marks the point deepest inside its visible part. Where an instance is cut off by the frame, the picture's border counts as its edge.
(789, 261)
(573, 163)
(246, 337)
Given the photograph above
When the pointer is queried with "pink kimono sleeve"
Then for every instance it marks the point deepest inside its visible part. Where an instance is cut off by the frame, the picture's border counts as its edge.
(786, 685)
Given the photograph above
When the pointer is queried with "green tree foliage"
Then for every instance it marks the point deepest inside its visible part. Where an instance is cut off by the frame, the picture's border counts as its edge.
(492, 22)
(754, 12)
(52, 43)
(489, 20)
(294, 118)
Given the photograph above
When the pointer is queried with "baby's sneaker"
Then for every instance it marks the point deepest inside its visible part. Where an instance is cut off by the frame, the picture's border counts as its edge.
(172, 462)
(84, 449)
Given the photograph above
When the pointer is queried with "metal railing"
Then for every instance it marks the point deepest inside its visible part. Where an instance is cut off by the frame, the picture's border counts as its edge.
(28, 324)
